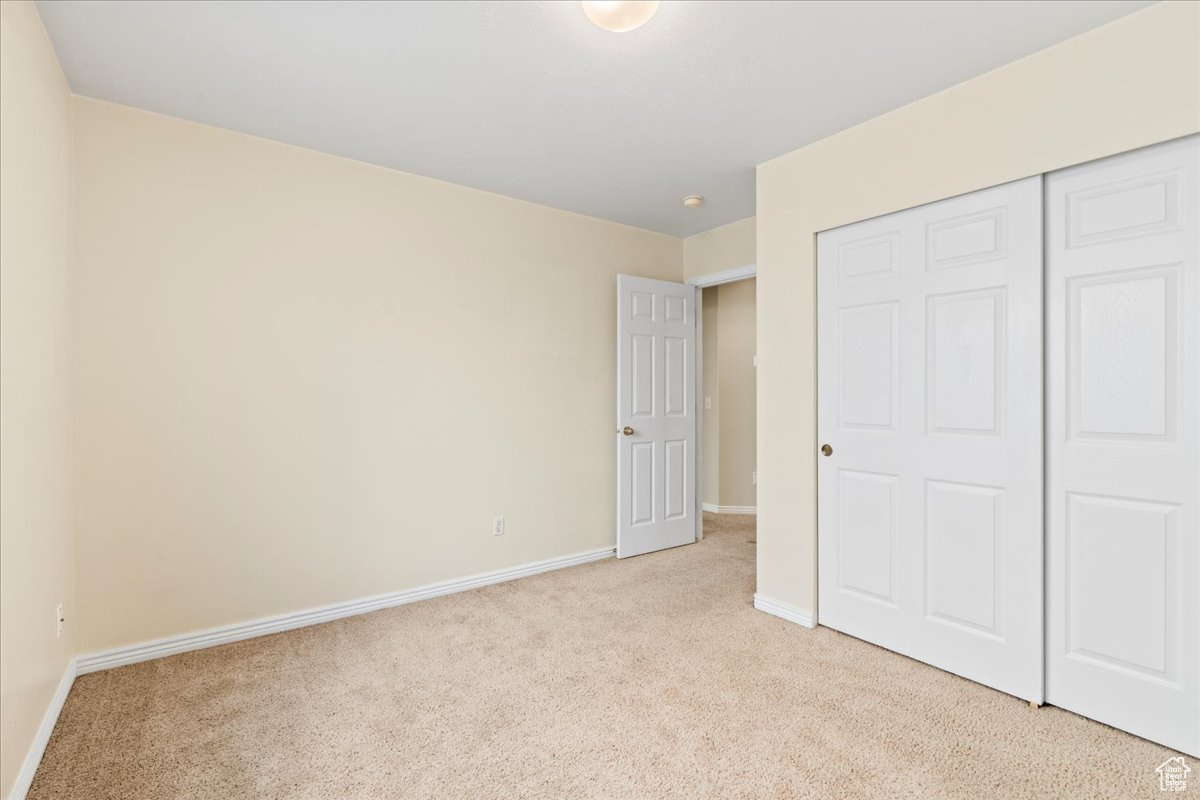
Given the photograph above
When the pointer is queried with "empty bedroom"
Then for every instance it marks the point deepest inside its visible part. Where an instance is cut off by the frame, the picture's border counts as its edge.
(599, 399)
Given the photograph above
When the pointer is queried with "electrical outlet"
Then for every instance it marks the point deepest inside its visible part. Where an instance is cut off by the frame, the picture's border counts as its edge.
(59, 620)
(707, 403)
(498, 526)
(754, 477)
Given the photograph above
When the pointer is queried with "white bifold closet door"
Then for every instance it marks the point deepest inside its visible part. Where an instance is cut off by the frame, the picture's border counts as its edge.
(1123, 441)
(930, 399)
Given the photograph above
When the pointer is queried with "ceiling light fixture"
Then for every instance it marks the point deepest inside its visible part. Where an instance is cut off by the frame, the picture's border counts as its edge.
(619, 16)
(693, 201)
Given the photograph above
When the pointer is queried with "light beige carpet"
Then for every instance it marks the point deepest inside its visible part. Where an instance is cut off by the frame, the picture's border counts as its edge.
(646, 678)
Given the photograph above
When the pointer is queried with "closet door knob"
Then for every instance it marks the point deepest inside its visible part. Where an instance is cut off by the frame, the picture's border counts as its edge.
(826, 450)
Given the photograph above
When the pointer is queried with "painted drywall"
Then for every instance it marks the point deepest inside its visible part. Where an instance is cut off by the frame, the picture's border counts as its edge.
(1131, 83)
(304, 379)
(710, 445)
(735, 347)
(35, 515)
(728, 449)
(728, 441)
(719, 249)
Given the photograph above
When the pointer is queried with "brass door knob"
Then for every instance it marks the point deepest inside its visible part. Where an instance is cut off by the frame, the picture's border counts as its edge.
(826, 450)
(628, 431)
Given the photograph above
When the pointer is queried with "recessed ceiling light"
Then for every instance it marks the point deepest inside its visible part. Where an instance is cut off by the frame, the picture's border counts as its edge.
(693, 201)
(619, 16)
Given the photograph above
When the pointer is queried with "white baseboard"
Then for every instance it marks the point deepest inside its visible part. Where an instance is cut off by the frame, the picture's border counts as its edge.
(716, 509)
(314, 616)
(785, 611)
(38, 747)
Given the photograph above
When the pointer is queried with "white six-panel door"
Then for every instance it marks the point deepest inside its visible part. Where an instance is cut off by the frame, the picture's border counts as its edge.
(930, 398)
(1123, 434)
(656, 415)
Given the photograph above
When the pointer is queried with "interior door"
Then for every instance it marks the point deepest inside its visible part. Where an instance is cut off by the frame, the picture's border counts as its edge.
(930, 401)
(1123, 455)
(656, 415)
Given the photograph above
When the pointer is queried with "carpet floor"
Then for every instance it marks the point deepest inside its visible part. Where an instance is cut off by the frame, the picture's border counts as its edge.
(646, 678)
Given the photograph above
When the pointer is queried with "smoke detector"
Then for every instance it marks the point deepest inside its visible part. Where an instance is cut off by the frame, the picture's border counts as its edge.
(693, 201)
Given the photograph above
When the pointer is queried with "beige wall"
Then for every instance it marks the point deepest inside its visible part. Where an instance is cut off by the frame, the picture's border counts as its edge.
(35, 537)
(305, 380)
(735, 344)
(710, 447)
(728, 432)
(729, 425)
(719, 249)
(1128, 84)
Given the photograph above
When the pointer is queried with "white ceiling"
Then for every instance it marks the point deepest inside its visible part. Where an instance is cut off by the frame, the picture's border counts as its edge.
(530, 100)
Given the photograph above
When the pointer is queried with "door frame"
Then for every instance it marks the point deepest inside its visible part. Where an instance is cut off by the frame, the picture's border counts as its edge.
(702, 282)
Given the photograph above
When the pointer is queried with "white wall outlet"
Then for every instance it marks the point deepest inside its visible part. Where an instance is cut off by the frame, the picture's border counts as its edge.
(59, 619)
(498, 526)
(754, 477)
(707, 403)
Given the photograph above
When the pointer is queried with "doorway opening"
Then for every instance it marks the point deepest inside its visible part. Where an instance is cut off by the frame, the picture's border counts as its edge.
(666, 377)
(726, 394)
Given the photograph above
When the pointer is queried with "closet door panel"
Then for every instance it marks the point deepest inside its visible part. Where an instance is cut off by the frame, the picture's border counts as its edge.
(1123, 441)
(929, 373)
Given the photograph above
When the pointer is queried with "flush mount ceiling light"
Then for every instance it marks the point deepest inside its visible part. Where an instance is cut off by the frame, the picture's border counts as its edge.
(693, 201)
(619, 16)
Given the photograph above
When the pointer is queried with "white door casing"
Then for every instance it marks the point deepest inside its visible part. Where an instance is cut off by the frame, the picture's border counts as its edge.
(1123, 441)
(930, 395)
(656, 401)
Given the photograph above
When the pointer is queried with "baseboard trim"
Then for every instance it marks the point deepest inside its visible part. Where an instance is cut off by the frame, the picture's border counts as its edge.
(38, 748)
(172, 645)
(716, 509)
(785, 611)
